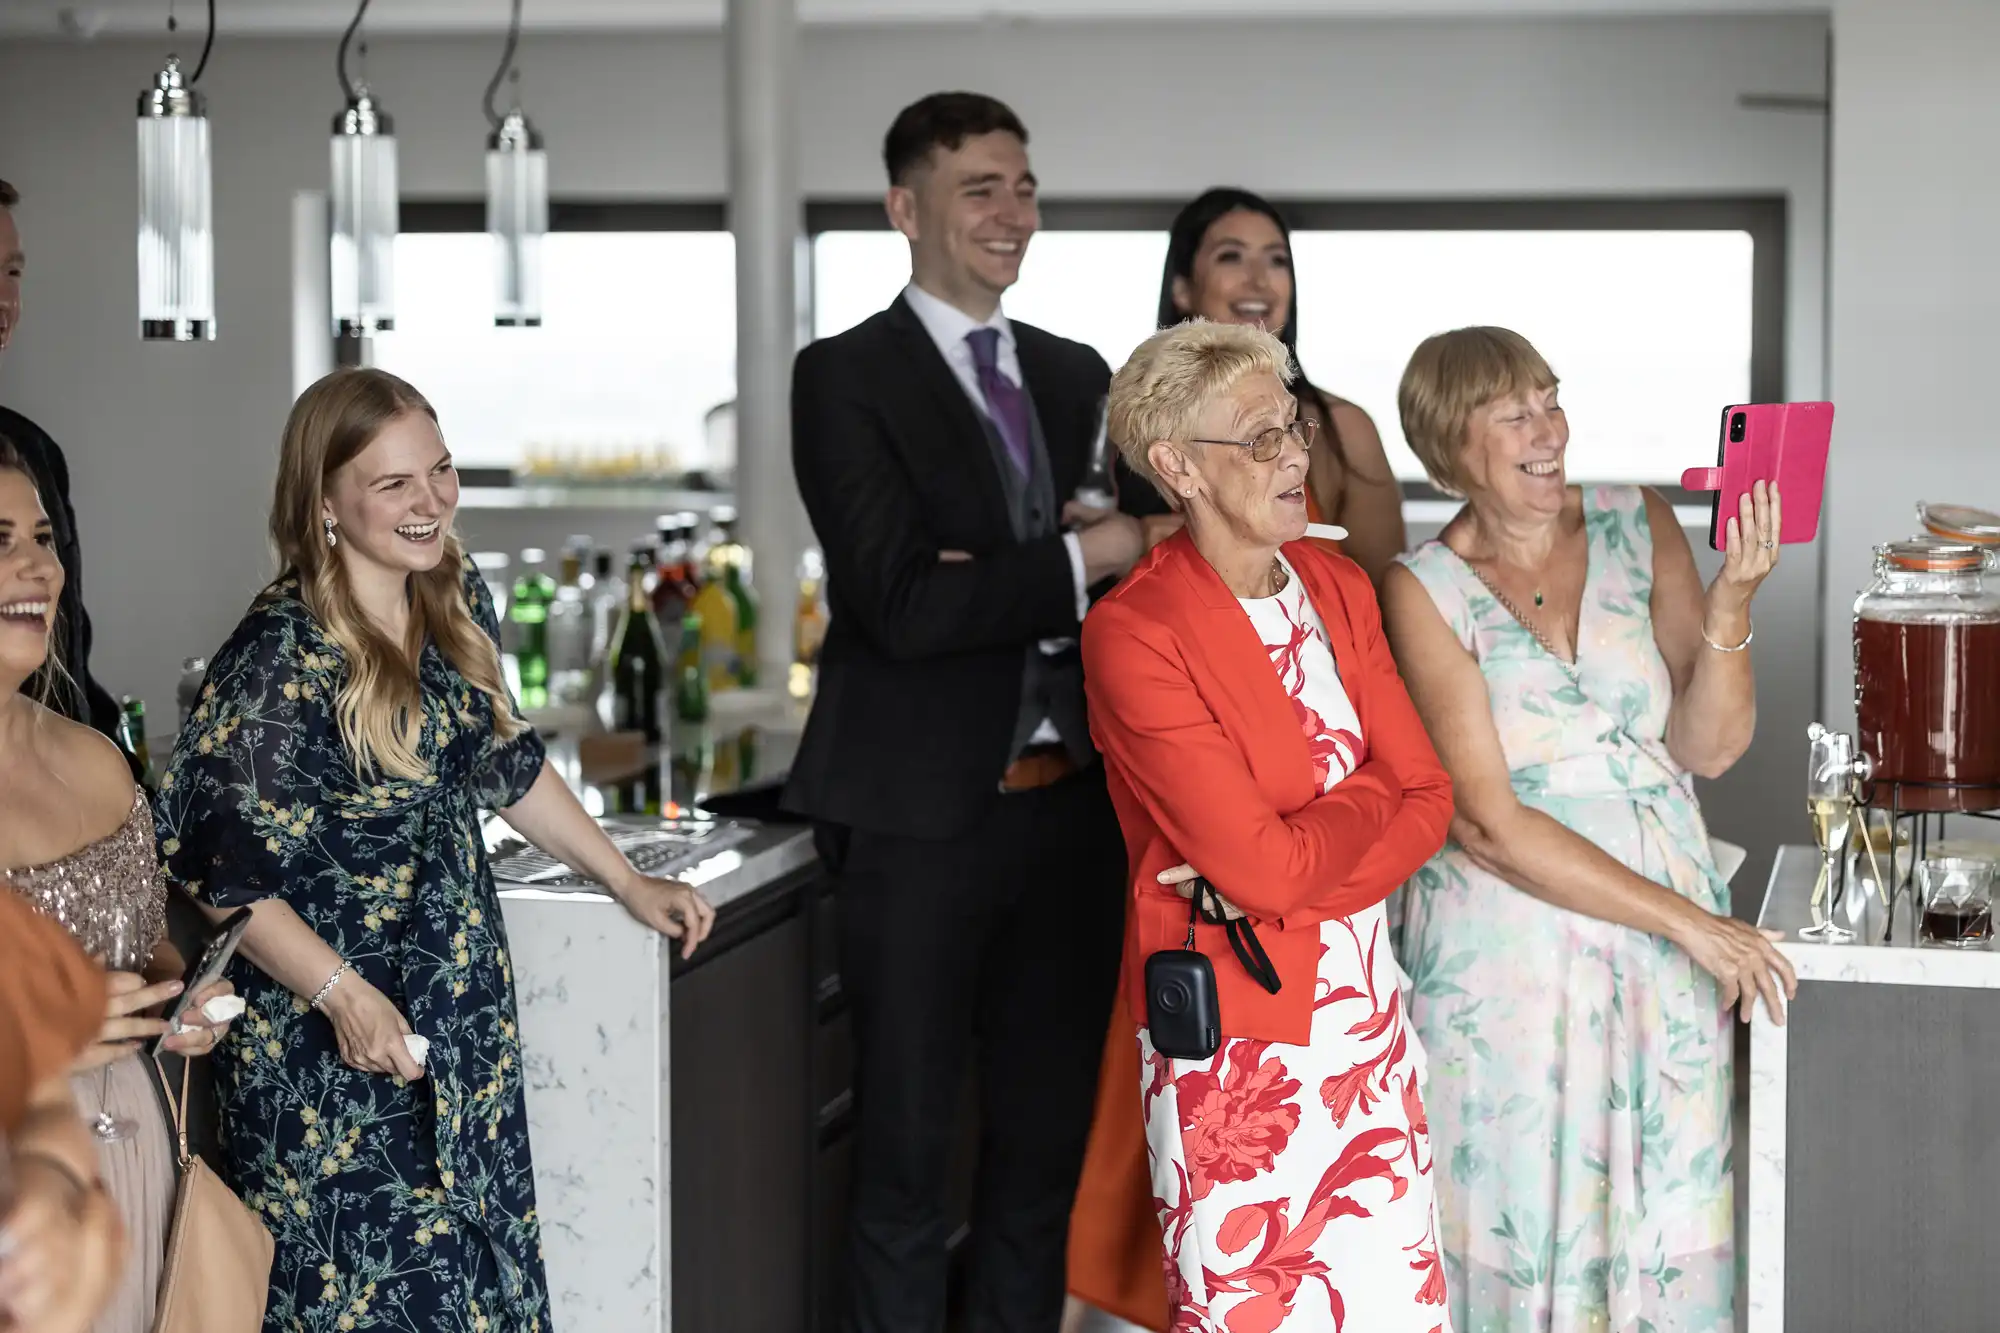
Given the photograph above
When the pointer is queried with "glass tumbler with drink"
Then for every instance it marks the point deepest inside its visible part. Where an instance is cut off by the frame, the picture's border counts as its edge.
(1957, 897)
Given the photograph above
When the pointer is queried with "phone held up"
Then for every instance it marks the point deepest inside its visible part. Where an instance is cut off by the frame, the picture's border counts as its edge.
(1781, 443)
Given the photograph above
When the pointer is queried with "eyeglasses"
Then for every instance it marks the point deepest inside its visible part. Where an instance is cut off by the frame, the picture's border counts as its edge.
(1268, 444)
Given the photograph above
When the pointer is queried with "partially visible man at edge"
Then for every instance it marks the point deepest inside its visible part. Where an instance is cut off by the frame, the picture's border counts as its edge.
(79, 696)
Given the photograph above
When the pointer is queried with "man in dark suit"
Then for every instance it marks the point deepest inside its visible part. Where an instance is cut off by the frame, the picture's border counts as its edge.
(72, 690)
(948, 759)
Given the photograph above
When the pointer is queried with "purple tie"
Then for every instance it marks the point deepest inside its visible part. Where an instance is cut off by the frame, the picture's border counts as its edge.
(1005, 402)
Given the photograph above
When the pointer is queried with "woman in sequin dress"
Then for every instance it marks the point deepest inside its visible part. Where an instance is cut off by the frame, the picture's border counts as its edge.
(331, 778)
(76, 840)
(1571, 949)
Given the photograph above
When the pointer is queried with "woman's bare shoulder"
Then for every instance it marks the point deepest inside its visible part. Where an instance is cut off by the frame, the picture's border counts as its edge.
(92, 769)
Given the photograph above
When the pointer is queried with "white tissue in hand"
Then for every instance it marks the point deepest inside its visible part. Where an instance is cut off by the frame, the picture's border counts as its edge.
(419, 1047)
(224, 1008)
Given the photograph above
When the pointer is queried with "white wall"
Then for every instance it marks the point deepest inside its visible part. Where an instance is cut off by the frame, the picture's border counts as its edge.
(1915, 330)
(172, 448)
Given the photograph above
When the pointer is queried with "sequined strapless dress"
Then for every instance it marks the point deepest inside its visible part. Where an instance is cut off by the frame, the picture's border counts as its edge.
(120, 873)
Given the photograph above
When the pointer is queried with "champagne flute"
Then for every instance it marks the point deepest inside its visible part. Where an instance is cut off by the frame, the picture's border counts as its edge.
(1830, 802)
(118, 932)
(1097, 489)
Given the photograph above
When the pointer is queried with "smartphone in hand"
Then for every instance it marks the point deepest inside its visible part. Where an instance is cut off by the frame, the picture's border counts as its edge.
(1782, 443)
(206, 969)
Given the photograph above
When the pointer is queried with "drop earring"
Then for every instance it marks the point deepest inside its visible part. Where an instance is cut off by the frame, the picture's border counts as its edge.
(331, 540)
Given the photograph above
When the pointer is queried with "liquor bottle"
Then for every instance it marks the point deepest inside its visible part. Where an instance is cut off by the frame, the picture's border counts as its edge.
(808, 626)
(132, 740)
(732, 558)
(717, 608)
(690, 680)
(533, 593)
(636, 675)
(569, 631)
(673, 590)
(492, 567)
(607, 600)
(187, 693)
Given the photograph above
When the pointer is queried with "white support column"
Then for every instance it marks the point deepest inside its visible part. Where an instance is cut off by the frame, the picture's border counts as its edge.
(1914, 286)
(762, 45)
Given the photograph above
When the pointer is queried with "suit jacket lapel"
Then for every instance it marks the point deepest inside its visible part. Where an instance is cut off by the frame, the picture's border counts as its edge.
(963, 433)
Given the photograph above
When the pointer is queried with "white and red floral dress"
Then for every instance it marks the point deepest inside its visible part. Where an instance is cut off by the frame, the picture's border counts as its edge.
(1294, 1182)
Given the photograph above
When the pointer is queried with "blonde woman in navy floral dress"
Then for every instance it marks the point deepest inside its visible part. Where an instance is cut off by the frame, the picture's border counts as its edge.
(332, 778)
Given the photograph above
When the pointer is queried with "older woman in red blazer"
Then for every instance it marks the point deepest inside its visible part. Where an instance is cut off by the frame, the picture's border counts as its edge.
(1262, 752)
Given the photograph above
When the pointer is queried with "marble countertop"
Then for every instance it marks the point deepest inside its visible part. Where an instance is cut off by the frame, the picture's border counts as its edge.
(1899, 961)
(767, 854)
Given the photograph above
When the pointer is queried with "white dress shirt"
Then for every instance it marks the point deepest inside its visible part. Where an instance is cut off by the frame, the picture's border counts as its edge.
(948, 327)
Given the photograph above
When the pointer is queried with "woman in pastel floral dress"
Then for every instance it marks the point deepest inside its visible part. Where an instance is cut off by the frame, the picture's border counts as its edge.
(1571, 951)
(348, 735)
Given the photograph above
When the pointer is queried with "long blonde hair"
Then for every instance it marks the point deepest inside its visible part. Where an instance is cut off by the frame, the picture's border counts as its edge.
(380, 705)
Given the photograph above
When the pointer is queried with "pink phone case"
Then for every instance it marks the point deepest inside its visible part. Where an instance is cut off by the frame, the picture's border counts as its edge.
(1782, 442)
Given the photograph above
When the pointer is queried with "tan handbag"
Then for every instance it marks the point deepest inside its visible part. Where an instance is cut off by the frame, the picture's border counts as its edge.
(217, 1272)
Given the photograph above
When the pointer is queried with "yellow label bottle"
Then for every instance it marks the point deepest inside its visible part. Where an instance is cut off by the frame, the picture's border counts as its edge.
(717, 610)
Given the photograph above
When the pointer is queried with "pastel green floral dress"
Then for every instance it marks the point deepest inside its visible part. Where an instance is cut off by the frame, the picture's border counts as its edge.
(1579, 1071)
(395, 1206)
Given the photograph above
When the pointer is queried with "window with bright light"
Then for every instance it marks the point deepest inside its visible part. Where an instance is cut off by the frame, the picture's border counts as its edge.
(1649, 330)
(1098, 287)
(637, 345)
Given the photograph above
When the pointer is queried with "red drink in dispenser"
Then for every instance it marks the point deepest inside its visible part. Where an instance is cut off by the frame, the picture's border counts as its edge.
(1927, 675)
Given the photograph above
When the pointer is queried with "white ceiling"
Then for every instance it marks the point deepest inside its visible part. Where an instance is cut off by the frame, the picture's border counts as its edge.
(91, 18)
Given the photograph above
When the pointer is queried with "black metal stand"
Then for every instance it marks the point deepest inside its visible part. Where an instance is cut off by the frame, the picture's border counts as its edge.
(1893, 797)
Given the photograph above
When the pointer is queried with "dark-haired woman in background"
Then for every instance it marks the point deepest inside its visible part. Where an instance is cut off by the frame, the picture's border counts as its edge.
(1229, 259)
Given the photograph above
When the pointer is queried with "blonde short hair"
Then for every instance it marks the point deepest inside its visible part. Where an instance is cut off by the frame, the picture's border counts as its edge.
(1451, 376)
(1160, 391)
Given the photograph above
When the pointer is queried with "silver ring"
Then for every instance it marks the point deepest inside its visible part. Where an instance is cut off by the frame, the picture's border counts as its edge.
(1770, 546)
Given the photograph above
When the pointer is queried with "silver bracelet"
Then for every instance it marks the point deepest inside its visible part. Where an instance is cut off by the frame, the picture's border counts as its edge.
(327, 989)
(1751, 634)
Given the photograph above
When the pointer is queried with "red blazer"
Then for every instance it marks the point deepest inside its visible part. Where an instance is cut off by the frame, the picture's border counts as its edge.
(1207, 765)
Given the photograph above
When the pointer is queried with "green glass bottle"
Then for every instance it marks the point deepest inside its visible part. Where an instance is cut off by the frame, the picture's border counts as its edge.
(534, 591)
(690, 681)
(636, 677)
(132, 739)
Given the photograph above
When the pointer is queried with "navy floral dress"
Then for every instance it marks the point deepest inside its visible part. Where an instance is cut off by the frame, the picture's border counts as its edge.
(395, 1206)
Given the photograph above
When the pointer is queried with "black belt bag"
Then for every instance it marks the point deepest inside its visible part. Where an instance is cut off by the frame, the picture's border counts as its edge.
(1183, 1013)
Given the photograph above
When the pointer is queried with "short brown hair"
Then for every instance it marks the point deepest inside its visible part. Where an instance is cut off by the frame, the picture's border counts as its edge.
(943, 120)
(1451, 376)
(9, 196)
(1163, 386)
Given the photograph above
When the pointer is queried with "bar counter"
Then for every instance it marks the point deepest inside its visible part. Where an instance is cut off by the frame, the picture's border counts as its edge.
(1879, 1088)
(687, 1116)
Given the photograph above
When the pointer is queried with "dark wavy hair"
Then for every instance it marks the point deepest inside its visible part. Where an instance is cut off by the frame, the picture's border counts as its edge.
(1190, 227)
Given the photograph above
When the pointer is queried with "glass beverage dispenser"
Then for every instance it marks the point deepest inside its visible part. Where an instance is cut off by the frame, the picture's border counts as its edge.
(1927, 675)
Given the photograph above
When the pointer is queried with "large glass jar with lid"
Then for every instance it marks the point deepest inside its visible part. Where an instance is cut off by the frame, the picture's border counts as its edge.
(1927, 675)
(1960, 523)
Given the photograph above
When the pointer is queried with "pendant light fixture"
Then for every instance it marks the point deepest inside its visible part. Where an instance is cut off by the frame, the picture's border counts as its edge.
(364, 205)
(176, 244)
(517, 197)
